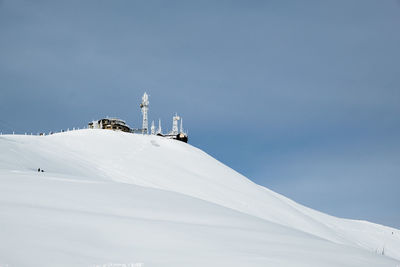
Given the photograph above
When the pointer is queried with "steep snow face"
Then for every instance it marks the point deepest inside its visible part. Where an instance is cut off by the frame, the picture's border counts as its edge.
(113, 197)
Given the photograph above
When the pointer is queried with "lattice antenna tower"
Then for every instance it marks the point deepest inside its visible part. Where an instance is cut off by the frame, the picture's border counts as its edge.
(175, 120)
(145, 108)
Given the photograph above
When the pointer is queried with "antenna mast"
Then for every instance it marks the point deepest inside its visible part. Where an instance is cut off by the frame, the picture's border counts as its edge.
(181, 125)
(175, 120)
(153, 128)
(145, 108)
(159, 130)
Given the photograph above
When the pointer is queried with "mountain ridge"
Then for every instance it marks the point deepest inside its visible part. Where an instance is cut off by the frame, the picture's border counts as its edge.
(115, 159)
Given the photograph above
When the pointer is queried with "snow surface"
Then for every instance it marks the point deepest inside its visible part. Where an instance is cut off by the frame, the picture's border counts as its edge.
(111, 198)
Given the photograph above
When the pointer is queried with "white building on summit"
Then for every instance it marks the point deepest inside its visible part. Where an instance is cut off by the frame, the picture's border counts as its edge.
(110, 124)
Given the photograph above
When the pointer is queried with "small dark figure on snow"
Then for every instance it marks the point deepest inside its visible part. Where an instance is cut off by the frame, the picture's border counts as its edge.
(42, 170)
(38, 169)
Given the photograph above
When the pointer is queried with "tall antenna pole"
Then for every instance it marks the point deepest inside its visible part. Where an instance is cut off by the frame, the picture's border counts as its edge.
(153, 128)
(159, 130)
(145, 108)
(181, 125)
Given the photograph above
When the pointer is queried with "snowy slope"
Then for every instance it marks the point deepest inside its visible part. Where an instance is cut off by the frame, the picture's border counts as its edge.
(113, 197)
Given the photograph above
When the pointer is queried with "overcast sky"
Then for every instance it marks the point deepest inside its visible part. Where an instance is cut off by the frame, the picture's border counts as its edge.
(300, 96)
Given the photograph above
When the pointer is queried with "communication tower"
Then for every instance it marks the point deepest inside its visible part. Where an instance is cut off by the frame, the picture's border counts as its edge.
(145, 108)
(175, 120)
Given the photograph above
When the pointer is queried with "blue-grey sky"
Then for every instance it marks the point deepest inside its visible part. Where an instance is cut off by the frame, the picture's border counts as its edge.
(300, 96)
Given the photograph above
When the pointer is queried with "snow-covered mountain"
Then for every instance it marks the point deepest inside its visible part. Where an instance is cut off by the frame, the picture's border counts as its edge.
(111, 198)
